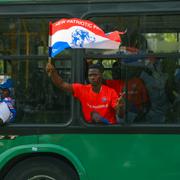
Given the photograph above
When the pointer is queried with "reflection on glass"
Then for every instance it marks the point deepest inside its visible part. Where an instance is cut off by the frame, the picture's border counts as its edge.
(38, 100)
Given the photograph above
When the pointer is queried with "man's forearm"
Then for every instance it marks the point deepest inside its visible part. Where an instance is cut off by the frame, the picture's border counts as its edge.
(56, 78)
(59, 82)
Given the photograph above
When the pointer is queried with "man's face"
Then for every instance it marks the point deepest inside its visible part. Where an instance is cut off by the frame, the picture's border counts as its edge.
(4, 93)
(94, 76)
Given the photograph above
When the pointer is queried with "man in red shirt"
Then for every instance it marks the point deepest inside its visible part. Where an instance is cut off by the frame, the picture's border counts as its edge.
(136, 95)
(99, 102)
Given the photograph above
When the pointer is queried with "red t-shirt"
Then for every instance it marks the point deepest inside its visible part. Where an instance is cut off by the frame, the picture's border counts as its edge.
(137, 92)
(117, 85)
(103, 102)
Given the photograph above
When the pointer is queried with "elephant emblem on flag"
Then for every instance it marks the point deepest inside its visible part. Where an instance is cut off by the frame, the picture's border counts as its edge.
(80, 37)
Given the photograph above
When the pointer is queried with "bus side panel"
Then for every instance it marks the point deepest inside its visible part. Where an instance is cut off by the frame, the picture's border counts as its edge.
(22, 147)
(123, 156)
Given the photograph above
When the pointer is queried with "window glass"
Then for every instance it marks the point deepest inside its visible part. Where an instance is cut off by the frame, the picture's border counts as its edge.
(147, 66)
(23, 57)
(37, 99)
(157, 33)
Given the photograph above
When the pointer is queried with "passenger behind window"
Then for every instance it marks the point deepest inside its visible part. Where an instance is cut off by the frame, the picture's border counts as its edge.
(174, 96)
(99, 102)
(7, 104)
(176, 92)
(155, 80)
(133, 93)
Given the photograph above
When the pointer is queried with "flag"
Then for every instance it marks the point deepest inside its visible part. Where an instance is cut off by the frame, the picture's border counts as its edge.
(77, 33)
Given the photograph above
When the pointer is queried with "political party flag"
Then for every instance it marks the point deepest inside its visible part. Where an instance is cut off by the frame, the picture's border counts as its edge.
(77, 33)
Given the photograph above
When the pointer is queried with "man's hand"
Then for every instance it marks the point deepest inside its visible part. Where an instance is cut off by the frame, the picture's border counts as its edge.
(120, 105)
(95, 117)
(50, 68)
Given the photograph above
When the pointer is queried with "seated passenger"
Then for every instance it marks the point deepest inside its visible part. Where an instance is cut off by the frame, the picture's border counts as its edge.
(155, 81)
(176, 93)
(136, 96)
(99, 102)
(7, 109)
(173, 91)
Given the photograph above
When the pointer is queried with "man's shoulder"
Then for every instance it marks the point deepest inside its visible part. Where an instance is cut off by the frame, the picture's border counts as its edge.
(107, 88)
(113, 82)
(79, 86)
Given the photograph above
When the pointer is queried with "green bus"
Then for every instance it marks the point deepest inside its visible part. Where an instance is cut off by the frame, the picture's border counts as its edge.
(49, 139)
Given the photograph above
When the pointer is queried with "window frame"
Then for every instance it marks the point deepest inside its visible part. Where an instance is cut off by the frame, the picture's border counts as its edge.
(123, 8)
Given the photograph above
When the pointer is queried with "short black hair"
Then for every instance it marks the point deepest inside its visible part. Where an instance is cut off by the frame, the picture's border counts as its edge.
(98, 66)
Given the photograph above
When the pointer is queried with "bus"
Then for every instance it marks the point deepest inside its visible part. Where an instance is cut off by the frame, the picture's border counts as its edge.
(49, 138)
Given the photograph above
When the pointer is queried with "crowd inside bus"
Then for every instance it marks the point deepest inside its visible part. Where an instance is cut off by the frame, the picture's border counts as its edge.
(147, 84)
(146, 94)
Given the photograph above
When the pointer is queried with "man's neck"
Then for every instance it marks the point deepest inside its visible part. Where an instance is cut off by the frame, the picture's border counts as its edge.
(97, 88)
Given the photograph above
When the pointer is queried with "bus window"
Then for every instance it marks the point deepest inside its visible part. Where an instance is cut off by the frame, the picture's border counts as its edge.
(43, 142)
(148, 61)
(37, 100)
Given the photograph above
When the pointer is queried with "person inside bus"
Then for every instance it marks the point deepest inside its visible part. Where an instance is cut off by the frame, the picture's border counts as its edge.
(136, 98)
(176, 93)
(7, 103)
(173, 92)
(156, 80)
(99, 102)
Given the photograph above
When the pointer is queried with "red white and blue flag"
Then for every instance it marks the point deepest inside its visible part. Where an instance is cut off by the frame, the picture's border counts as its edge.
(77, 33)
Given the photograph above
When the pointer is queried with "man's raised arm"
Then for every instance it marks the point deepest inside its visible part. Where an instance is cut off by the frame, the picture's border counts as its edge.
(57, 80)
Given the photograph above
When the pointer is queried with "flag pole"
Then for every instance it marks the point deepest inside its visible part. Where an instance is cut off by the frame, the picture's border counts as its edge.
(50, 42)
(49, 45)
(49, 60)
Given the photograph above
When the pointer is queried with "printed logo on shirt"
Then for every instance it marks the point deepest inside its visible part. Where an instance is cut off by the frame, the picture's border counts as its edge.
(97, 106)
(104, 99)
